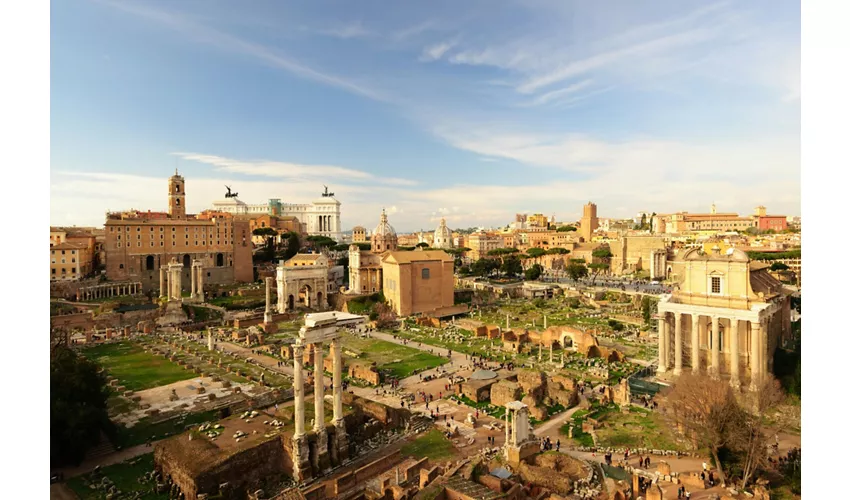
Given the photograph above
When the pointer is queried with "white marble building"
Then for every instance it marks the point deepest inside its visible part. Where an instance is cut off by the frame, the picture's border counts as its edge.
(320, 217)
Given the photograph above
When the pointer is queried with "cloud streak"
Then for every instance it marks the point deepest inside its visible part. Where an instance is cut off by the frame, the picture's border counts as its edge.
(286, 170)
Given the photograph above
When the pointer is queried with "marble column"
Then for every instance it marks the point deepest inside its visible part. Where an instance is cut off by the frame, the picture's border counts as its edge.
(551, 359)
(319, 388)
(755, 357)
(677, 369)
(267, 317)
(733, 346)
(298, 359)
(545, 323)
(336, 347)
(662, 348)
(194, 277)
(715, 346)
(209, 341)
(695, 343)
(507, 426)
(201, 281)
(507, 321)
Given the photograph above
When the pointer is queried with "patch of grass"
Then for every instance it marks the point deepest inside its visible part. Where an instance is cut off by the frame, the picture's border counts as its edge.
(125, 476)
(135, 369)
(401, 361)
(491, 409)
(433, 444)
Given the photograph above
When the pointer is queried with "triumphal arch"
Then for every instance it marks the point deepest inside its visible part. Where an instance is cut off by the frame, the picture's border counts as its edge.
(302, 282)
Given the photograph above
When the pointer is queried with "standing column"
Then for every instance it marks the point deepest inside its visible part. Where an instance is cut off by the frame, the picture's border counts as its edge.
(267, 317)
(755, 358)
(507, 425)
(733, 345)
(545, 323)
(336, 347)
(677, 369)
(298, 358)
(193, 277)
(201, 280)
(662, 348)
(695, 343)
(319, 388)
(715, 346)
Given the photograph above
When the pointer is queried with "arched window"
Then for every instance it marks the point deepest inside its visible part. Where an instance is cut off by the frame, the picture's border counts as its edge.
(149, 262)
(219, 260)
(187, 261)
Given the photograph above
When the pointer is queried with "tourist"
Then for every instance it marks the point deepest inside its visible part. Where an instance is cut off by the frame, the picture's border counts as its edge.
(558, 446)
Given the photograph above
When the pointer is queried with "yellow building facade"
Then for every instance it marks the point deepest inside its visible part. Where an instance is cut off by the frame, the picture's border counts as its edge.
(727, 317)
(417, 282)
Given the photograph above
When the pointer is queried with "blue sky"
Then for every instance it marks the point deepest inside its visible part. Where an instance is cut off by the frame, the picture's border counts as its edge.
(469, 110)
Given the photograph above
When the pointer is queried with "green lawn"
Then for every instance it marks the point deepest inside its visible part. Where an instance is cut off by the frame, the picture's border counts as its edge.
(401, 361)
(125, 476)
(433, 444)
(134, 368)
(638, 428)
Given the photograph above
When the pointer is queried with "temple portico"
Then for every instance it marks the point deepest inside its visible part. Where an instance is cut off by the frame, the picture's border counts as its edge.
(726, 319)
(109, 290)
(318, 329)
(519, 442)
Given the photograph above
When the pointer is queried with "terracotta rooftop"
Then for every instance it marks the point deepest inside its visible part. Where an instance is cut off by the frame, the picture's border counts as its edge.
(400, 257)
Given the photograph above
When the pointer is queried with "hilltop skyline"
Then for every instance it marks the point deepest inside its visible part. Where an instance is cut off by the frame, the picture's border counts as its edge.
(470, 112)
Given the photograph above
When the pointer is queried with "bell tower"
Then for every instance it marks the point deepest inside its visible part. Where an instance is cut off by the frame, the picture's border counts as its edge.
(177, 196)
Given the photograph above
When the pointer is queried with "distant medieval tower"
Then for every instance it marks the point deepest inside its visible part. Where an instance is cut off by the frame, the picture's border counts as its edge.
(177, 196)
(589, 222)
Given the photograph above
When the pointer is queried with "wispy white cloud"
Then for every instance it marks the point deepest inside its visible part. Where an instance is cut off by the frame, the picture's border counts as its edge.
(435, 52)
(561, 93)
(225, 41)
(353, 30)
(286, 170)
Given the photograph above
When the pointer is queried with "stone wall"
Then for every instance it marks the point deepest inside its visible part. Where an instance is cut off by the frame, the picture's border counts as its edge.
(366, 373)
(387, 415)
(533, 383)
(503, 392)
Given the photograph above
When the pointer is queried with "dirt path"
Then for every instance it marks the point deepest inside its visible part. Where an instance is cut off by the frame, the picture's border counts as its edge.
(112, 458)
(61, 491)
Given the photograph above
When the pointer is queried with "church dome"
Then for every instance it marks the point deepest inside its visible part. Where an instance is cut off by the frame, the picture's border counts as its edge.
(384, 228)
(442, 236)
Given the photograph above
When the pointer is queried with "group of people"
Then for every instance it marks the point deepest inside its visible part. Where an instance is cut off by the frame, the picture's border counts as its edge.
(547, 445)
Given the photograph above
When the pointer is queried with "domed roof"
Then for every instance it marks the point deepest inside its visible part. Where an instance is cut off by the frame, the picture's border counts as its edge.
(442, 236)
(384, 228)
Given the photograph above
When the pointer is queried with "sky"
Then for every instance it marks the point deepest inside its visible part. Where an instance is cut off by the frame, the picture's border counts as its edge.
(471, 110)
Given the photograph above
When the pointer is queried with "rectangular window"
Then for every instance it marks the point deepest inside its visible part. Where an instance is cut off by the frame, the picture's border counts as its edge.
(426, 273)
(53, 271)
(715, 284)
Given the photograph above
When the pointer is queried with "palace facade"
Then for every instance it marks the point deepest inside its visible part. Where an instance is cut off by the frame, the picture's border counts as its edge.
(137, 244)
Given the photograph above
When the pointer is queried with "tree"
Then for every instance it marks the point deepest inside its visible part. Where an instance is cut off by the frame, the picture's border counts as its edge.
(318, 241)
(557, 251)
(616, 325)
(647, 306)
(750, 440)
(778, 266)
(576, 270)
(535, 252)
(293, 245)
(386, 317)
(511, 265)
(364, 246)
(269, 245)
(484, 267)
(422, 244)
(341, 247)
(533, 272)
(78, 413)
(706, 412)
(566, 229)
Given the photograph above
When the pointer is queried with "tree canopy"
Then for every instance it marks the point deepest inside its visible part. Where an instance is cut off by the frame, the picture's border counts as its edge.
(422, 244)
(535, 252)
(557, 251)
(293, 245)
(483, 267)
(576, 270)
(778, 266)
(319, 241)
(566, 229)
(533, 272)
(511, 266)
(78, 412)
(498, 252)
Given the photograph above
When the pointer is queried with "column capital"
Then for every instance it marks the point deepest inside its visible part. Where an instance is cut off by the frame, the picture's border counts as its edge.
(677, 314)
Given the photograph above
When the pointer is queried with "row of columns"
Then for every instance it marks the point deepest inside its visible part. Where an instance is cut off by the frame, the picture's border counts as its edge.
(171, 280)
(757, 354)
(326, 223)
(110, 290)
(318, 386)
